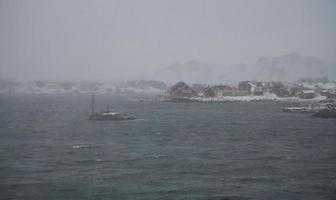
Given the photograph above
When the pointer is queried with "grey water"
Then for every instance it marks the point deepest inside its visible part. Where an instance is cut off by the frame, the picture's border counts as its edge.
(227, 151)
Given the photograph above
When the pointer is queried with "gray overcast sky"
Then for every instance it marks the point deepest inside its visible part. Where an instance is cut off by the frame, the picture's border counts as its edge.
(116, 40)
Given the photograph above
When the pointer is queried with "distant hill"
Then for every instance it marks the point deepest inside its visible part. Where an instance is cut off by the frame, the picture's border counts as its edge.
(289, 67)
(191, 71)
(293, 66)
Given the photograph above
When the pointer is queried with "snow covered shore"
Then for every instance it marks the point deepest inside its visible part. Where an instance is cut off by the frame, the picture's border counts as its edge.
(266, 97)
(47, 87)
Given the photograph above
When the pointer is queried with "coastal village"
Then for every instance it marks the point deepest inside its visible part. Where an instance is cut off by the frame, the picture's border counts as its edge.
(251, 90)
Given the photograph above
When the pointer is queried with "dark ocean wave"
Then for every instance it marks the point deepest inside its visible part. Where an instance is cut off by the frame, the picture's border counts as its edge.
(225, 151)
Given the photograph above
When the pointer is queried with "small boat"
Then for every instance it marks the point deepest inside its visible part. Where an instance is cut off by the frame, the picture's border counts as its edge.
(108, 115)
(306, 109)
(114, 116)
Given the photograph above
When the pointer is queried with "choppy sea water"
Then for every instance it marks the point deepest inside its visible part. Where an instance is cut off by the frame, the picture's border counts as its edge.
(224, 151)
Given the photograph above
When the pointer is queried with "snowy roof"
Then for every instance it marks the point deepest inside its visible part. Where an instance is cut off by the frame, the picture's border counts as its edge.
(308, 91)
(327, 85)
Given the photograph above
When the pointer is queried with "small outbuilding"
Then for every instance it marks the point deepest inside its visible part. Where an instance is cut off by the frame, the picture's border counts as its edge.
(307, 94)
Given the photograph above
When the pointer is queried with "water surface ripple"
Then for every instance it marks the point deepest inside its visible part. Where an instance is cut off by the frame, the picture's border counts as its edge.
(226, 151)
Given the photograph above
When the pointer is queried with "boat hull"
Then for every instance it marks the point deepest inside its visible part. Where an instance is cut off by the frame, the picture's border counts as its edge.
(99, 117)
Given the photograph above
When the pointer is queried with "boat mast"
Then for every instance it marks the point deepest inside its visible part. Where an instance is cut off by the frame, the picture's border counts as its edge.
(108, 108)
(92, 105)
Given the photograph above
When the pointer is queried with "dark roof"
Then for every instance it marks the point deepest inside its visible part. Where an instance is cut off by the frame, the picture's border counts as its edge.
(208, 88)
(180, 84)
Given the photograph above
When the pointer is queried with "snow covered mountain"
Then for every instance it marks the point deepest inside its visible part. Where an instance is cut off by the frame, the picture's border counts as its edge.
(289, 67)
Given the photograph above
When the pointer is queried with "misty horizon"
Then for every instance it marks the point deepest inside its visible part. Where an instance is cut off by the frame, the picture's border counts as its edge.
(193, 71)
(131, 40)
